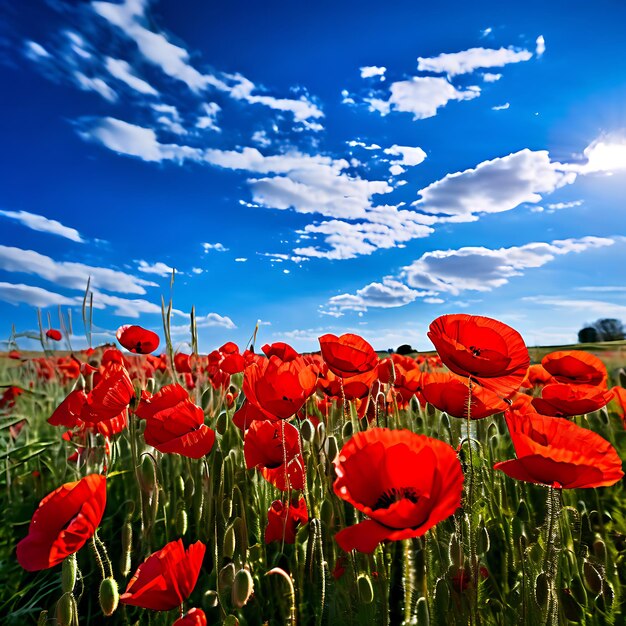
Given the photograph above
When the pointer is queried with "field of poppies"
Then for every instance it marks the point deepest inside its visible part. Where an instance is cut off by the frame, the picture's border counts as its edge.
(251, 487)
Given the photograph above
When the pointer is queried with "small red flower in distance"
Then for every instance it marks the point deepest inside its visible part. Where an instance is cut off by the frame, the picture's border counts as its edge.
(166, 578)
(54, 334)
(137, 339)
(405, 483)
(194, 617)
(348, 355)
(283, 520)
(489, 351)
(64, 521)
(174, 424)
(556, 452)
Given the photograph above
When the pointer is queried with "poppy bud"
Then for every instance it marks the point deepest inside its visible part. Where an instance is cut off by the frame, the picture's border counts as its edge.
(483, 540)
(442, 598)
(327, 514)
(210, 600)
(227, 508)
(147, 475)
(150, 385)
(68, 574)
(522, 511)
(230, 542)
(127, 541)
(622, 377)
(231, 620)
(320, 435)
(347, 430)
(109, 596)
(66, 612)
(331, 448)
(307, 431)
(578, 590)
(444, 421)
(541, 589)
(43, 618)
(226, 575)
(243, 586)
(366, 591)
(179, 486)
(181, 521)
(606, 598)
(423, 617)
(190, 488)
(599, 549)
(455, 552)
(593, 580)
(221, 423)
(571, 609)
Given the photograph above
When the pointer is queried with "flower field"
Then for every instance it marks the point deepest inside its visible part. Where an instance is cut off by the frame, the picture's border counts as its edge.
(472, 485)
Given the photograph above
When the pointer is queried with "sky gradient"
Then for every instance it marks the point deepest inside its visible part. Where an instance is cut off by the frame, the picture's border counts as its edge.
(348, 167)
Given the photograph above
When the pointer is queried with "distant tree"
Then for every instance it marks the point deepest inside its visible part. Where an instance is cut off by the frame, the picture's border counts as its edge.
(405, 349)
(609, 329)
(588, 334)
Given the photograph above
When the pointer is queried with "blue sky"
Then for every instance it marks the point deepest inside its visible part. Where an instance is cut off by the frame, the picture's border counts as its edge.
(343, 167)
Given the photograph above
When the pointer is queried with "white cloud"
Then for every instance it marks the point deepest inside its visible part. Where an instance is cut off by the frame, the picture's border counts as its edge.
(35, 51)
(371, 71)
(159, 268)
(209, 119)
(218, 247)
(122, 71)
(501, 107)
(387, 294)
(603, 288)
(197, 270)
(422, 96)
(241, 259)
(69, 274)
(467, 61)
(409, 155)
(43, 224)
(606, 154)
(591, 308)
(488, 77)
(484, 269)
(211, 320)
(95, 84)
(556, 206)
(540, 46)
(34, 296)
(486, 32)
(174, 61)
(494, 186)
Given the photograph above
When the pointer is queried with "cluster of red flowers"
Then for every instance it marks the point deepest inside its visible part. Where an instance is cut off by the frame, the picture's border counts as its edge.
(404, 483)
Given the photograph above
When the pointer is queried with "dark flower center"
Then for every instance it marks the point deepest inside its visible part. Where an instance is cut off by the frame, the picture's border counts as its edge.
(395, 495)
(475, 350)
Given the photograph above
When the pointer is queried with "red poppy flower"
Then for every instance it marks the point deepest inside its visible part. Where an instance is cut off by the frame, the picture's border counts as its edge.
(68, 412)
(166, 578)
(110, 396)
(561, 400)
(619, 393)
(54, 334)
(575, 367)
(486, 349)
(194, 617)
(246, 414)
(559, 453)
(174, 424)
(283, 520)
(137, 339)
(64, 521)
(280, 349)
(536, 376)
(405, 483)
(182, 363)
(279, 388)
(450, 393)
(358, 386)
(274, 449)
(14, 354)
(10, 395)
(348, 355)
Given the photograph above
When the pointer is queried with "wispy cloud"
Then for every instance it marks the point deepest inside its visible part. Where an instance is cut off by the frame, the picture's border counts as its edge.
(159, 268)
(43, 224)
(218, 247)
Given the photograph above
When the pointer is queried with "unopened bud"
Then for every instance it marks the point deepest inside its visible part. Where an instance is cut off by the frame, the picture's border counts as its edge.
(307, 431)
(68, 574)
(243, 586)
(230, 542)
(67, 612)
(109, 596)
(366, 591)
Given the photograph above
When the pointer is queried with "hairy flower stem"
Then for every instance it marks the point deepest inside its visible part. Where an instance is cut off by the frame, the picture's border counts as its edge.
(551, 563)
(471, 540)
